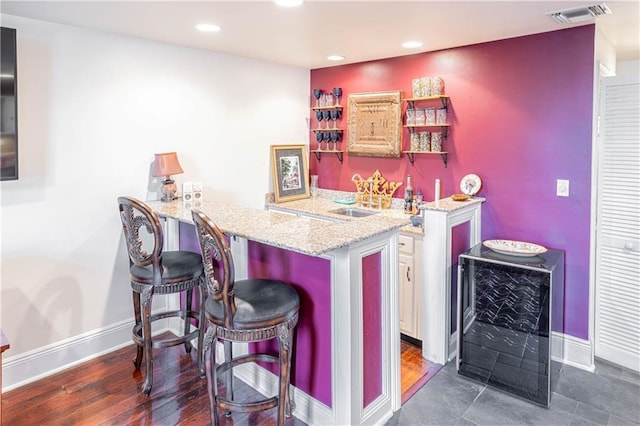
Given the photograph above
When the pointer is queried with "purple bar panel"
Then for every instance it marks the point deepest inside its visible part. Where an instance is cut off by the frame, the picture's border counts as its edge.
(311, 277)
(372, 328)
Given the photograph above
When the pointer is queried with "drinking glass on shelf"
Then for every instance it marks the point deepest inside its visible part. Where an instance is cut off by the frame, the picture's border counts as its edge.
(328, 99)
(327, 137)
(316, 94)
(337, 92)
(334, 117)
(319, 139)
(326, 114)
(319, 117)
(334, 138)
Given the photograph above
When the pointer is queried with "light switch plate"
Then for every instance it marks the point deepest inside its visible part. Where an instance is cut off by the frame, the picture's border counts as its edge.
(562, 187)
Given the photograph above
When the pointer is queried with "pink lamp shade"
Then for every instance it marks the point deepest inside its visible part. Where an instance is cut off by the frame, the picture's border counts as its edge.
(166, 164)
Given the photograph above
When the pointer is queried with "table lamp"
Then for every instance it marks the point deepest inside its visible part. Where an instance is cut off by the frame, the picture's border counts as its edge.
(166, 164)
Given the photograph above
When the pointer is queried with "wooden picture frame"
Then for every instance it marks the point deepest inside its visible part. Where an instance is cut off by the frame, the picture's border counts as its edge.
(374, 125)
(290, 171)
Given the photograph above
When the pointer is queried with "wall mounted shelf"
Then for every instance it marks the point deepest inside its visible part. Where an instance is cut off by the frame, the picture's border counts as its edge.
(321, 108)
(444, 127)
(326, 130)
(442, 98)
(318, 153)
(410, 155)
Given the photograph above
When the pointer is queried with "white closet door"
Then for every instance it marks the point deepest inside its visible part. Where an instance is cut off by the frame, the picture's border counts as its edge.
(617, 319)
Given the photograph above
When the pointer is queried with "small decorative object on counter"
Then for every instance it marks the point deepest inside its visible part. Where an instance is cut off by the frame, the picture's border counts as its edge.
(314, 186)
(408, 196)
(376, 190)
(187, 191)
(419, 197)
(470, 184)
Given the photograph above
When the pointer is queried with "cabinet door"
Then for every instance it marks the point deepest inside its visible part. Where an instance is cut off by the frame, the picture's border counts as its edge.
(407, 296)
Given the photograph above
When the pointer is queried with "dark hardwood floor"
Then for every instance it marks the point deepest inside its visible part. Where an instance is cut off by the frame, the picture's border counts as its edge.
(106, 391)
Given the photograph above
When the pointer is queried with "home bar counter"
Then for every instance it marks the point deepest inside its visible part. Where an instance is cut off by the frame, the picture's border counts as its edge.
(346, 367)
(347, 346)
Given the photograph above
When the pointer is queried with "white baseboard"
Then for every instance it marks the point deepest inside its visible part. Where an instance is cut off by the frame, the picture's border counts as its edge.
(47, 360)
(572, 351)
(308, 409)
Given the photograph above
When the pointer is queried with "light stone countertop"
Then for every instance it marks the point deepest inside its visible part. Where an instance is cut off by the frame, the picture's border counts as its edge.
(322, 206)
(448, 205)
(305, 235)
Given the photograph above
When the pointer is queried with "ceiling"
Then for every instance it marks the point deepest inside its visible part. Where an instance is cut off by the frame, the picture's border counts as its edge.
(358, 30)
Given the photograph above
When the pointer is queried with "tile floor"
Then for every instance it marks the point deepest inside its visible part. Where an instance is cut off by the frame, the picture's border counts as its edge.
(610, 396)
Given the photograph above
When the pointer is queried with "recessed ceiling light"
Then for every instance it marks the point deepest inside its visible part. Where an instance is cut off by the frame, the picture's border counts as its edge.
(413, 44)
(288, 3)
(208, 28)
(335, 57)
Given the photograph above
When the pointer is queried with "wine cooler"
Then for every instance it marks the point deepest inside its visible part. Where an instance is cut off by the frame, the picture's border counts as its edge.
(507, 307)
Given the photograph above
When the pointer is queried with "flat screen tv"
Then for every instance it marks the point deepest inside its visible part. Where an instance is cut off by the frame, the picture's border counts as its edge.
(8, 106)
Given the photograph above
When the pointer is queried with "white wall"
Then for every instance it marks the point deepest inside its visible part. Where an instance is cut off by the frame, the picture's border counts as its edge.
(93, 109)
(628, 68)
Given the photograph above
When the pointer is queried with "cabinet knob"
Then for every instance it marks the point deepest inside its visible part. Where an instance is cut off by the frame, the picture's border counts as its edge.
(408, 272)
(629, 245)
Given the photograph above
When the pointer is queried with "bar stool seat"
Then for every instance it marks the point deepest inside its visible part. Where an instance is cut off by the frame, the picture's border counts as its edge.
(257, 301)
(251, 310)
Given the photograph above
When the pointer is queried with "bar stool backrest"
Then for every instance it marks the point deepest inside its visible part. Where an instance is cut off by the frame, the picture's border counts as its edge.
(142, 251)
(213, 245)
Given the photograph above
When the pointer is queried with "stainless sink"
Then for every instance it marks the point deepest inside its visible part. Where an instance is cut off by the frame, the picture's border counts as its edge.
(350, 211)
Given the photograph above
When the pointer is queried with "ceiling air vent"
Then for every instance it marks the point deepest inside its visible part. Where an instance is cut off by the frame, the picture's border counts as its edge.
(580, 14)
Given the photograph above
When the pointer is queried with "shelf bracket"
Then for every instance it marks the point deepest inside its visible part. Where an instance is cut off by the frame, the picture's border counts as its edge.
(410, 155)
(338, 154)
(444, 159)
(445, 103)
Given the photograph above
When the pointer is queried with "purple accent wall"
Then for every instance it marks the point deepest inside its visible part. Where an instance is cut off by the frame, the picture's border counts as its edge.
(521, 117)
(188, 238)
(311, 277)
(372, 328)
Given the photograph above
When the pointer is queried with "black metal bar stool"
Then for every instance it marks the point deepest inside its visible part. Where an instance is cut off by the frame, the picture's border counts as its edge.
(153, 271)
(251, 310)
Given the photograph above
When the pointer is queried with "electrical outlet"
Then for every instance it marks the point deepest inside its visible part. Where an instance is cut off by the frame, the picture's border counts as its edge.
(562, 187)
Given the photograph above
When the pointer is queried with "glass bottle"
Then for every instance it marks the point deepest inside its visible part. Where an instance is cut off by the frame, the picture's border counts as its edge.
(408, 196)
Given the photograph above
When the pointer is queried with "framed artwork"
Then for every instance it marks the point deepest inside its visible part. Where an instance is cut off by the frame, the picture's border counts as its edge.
(374, 124)
(290, 172)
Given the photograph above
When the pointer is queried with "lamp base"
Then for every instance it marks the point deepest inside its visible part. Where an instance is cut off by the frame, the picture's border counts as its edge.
(169, 190)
